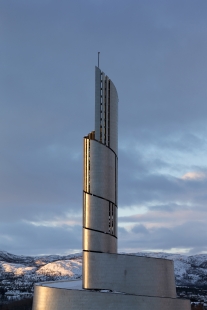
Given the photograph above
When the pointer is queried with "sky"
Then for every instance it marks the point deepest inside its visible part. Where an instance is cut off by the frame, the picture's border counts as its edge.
(155, 52)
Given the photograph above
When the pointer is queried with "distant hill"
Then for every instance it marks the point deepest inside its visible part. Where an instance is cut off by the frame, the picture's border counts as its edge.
(19, 273)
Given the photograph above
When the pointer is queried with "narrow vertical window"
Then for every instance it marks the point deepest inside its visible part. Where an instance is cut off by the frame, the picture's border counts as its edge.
(112, 219)
(109, 217)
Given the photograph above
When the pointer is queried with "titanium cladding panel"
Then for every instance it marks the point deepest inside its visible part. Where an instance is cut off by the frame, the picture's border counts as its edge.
(95, 218)
(99, 242)
(102, 171)
(129, 274)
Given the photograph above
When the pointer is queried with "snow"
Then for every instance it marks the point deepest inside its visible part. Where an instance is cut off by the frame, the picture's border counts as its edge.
(75, 284)
(68, 268)
(16, 269)
(189, 270)
(19, 273)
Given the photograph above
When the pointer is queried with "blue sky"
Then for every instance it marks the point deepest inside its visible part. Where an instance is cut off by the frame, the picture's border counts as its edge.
(155, 53)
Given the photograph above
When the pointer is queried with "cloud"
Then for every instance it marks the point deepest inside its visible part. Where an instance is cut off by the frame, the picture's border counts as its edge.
(188, 237)
(139, 229)
(191, 176)
(172, 227)
(166, 217)
(27, 239)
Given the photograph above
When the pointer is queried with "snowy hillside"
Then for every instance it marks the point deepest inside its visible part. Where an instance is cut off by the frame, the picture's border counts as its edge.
(189, 270)
(19, 273)
(40, 268)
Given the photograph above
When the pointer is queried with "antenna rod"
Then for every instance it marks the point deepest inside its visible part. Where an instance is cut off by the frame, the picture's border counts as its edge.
(98, 59)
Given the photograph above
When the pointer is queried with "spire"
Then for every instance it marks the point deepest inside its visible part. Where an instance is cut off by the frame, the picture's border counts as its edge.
(98, 58)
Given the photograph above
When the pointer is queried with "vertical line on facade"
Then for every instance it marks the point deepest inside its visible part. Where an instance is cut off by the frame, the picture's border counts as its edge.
(109, 113)
(109, 228)
(112, 219)
(85, 165)
(86, 158)
(115, 221)
(115, 181)
(84, 210)
(89, 167)
(105, 110)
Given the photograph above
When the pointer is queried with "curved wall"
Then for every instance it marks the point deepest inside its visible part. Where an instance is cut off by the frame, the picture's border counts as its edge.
(113, 118)
(99, 198)
(103, 175)
(95, 217)
(98, 242)
(106, 110)
(129, 274)
(100, 180)
(47, 298)
(98, 79)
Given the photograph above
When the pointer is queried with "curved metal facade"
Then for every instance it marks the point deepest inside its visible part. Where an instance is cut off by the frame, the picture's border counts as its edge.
(100, 172)
(106, 110)
(133, 274)
(50, 298)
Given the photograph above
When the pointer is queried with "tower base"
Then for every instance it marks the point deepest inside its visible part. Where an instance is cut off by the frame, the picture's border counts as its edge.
(69, 295)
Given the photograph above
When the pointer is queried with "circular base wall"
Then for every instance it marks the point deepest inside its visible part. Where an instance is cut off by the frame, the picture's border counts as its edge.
(63, 298)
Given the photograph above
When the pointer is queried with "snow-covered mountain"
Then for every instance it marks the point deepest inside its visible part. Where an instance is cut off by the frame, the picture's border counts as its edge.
(19, 273)
(189, 270)
(40, 268)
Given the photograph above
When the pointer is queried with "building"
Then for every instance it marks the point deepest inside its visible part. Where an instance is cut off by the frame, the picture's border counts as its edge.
(110, 280)
(100, 177)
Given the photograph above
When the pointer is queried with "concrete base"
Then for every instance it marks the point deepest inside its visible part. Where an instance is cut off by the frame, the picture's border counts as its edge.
(70, 296)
